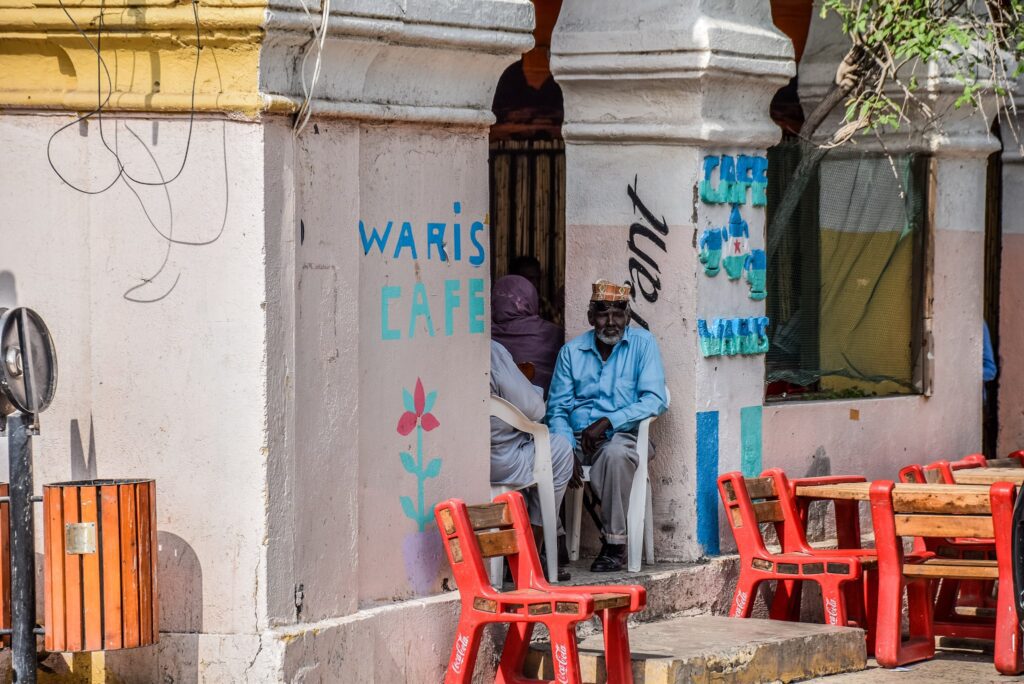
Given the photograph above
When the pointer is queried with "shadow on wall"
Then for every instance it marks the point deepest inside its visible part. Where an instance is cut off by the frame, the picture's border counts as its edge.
(175, 660)
(83, 466)
(8, 290)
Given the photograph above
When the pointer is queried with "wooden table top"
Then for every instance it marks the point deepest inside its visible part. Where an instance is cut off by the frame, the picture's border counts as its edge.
(987, 476)
(967, 499)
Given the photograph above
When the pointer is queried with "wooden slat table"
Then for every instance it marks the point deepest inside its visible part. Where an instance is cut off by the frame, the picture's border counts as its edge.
(967, 499)
(987, 476)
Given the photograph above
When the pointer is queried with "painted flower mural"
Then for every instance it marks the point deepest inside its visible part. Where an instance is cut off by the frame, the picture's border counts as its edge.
(421, 550)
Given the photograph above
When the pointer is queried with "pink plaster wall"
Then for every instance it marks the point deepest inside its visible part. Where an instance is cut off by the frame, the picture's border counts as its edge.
(1011, 340)
(408, 174)
(876, 437)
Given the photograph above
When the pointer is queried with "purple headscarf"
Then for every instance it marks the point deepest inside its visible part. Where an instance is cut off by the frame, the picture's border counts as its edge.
(516, 324)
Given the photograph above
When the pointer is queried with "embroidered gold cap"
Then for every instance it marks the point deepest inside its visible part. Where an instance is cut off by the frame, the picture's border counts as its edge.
(607, 291)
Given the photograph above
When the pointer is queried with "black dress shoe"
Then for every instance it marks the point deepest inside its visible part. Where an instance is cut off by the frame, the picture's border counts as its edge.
(611, 559)
(563, 574)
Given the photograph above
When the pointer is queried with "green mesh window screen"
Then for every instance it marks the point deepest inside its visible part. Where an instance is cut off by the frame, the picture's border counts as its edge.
(845, 264)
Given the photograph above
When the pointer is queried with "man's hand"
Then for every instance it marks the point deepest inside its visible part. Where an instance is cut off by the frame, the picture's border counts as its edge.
(594, 435)
(576, 481)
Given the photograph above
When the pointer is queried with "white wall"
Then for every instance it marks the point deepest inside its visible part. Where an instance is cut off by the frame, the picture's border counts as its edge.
(170, 389)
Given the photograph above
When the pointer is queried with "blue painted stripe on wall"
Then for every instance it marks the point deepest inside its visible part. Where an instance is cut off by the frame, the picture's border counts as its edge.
(707, 481)
(750, 439)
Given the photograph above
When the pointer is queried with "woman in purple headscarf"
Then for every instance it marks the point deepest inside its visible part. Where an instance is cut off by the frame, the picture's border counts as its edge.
(516, 325)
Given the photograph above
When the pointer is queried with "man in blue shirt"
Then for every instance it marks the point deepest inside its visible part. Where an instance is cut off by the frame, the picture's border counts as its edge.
(605, 382)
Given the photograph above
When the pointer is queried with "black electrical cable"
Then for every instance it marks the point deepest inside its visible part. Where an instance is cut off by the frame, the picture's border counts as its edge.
(191, 115)
(101, 102)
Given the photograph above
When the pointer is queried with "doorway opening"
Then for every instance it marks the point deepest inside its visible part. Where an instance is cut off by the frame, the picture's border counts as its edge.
(527, 171)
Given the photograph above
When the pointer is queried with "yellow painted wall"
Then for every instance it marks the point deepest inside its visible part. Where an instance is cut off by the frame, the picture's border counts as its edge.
(149, 48)
(858, 267)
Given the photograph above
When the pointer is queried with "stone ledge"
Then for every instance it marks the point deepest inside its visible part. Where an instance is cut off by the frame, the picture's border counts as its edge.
(694, 650)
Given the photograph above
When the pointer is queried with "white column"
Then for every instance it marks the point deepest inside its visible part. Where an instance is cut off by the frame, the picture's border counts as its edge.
(652, 89)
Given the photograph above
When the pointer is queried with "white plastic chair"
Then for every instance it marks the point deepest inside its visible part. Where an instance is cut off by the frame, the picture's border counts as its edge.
(543, 477)
(639, 517)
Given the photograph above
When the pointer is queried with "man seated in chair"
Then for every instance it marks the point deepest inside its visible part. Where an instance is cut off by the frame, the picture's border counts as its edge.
(512, 451)
(606, 381)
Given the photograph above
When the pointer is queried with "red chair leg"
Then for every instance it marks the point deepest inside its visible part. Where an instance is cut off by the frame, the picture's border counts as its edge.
(870, 583)
(833, 601)
(887, 622)
(919, 609)
(847, 524)
(513, 655)
(946, 600)
(618, 660)
(786, 602)
(1007, 652)
(743, 598)
(565, 658)
(853, 592)
(464, 652)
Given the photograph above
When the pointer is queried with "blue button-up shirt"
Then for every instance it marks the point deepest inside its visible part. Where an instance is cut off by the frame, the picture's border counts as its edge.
(625, 389)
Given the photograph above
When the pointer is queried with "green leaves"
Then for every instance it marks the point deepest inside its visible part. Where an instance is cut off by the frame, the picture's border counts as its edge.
(981, 45)
(409, 509)
(433, 468)
(409, 463)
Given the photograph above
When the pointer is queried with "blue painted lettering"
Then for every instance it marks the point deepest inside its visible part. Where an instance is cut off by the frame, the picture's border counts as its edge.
(451, 301)
(375, 238)
(405, 239)
(387, 293)
(435, 238)
(420, 308)
(478, 258)
(475, 287)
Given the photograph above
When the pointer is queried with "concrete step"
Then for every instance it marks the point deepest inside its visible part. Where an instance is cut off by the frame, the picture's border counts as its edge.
(673, 589)
(695, 650)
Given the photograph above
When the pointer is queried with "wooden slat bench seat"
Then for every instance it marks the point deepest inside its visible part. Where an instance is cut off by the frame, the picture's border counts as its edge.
(502, 529)
(938, 513)
(953, 568)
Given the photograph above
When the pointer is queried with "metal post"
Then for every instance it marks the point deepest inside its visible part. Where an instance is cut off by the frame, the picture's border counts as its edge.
(23, 556)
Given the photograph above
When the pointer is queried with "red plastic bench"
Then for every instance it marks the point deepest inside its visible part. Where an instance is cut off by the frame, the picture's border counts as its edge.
(750, 502)
(936, 511)
(475, 533)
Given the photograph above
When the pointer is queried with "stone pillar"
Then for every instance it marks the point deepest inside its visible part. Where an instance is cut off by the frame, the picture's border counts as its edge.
(269, 380)
(656, 94)
(875, 437)
(1011, 301)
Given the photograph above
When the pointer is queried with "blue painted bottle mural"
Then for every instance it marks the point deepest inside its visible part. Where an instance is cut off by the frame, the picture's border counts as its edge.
(711, 251)
(735, 178)
(733, 336)
(755, 267)
(735, 248)
(422, 549)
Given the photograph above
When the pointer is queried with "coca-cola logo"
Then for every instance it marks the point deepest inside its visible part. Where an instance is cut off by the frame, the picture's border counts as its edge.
(741, 602)
(561, 663)
(461, 647)
(832, 611)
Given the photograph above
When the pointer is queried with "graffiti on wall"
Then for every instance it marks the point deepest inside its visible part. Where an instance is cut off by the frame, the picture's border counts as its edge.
(735, 178)
(733, 336)
(406, 310)
(421, 550)
(728, 248)
(646, 238)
